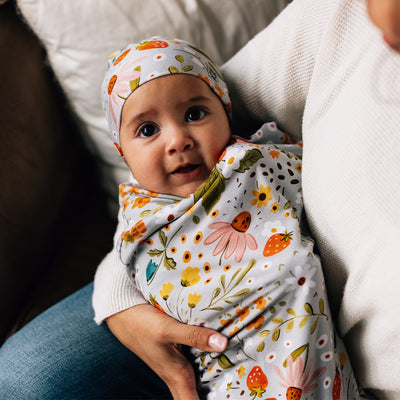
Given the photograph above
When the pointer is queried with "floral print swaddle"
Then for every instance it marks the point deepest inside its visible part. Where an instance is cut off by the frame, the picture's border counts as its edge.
(233, 257)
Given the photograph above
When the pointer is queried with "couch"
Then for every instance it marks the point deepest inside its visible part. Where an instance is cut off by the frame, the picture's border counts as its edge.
(59, 172)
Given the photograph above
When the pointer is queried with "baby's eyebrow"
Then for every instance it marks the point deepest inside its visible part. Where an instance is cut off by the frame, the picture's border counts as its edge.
(196, 99)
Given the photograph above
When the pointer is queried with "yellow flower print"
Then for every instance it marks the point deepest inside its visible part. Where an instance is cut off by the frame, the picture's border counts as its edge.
(122, 192)
(274, 153)
(260, 303)
(242, 313)
(166, 290)
(256, 324)
(275, 208)
(125, 203)
(298, 168)
(226, 322)
(235, 330)
(241, 371)
(190, 276)
(193, 299)
(152, 194)
(190, 211)
(140, 202)
(136, 232)
(262, 197)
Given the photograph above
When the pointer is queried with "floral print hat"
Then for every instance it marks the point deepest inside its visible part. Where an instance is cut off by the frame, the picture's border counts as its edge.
(141, 62)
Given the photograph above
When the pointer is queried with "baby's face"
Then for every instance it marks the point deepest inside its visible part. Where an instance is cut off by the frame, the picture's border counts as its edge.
(385, 14)
(173, 130)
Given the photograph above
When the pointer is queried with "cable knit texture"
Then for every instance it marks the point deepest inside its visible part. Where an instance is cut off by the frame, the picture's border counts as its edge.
(322, 71)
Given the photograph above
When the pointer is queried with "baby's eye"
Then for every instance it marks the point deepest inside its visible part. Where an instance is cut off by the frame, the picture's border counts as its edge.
(148, 130)
(194, 114)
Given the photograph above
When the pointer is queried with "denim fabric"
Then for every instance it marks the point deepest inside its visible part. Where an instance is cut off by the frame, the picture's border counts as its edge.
(63, 354)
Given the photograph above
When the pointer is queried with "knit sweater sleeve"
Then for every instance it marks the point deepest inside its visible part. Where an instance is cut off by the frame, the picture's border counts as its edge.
(270, 77)
(113, 291)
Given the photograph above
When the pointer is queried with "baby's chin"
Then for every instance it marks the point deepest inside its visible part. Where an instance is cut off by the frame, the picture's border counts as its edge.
(187, 189)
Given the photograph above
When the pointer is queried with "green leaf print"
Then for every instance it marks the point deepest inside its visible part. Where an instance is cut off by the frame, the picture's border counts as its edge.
(289, 322)
(241, 293)
(249, 159)
(215, 308)
(173, 70)
(308, 308)
(314, 326)
(222, 281)
(223, 293)
(321, 306)
(297, 353)
(155, 252)
(180, 58)
(215, 293)
(210, 191)
(303, 322)
(289, 326)
(291, 312)
(162, 237)
(135, 82)
(169, 263)
(276, 333)
(260, 347)
(224, 362)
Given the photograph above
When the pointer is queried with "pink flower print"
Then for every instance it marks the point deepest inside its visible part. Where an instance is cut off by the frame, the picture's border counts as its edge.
(120, 87)
(232, 237)
(297, 380)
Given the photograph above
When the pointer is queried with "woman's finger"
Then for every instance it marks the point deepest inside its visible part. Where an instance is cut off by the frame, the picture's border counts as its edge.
(156, 338)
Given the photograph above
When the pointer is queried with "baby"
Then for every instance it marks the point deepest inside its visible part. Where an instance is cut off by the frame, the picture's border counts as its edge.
(214, 228)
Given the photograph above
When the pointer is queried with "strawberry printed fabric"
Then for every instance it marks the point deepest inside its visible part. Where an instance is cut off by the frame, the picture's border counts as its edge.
(235, 257)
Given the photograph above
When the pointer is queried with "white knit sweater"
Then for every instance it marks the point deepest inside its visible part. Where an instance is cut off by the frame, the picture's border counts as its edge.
(322, 71)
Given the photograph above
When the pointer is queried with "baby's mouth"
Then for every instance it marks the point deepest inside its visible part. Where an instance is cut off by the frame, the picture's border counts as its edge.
(186, 169)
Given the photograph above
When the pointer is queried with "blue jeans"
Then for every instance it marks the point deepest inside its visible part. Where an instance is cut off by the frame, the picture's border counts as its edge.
(63, 354)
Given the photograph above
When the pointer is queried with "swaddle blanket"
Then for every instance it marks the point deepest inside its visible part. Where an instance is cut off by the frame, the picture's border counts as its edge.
(233, 257)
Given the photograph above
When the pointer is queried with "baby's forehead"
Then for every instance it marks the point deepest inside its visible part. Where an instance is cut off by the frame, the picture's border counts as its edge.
(176, 92)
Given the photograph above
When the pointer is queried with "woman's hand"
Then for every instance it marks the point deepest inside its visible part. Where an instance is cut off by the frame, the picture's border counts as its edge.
(157, 342)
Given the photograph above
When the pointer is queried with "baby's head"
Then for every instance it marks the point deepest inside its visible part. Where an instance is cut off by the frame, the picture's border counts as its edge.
(168, 110)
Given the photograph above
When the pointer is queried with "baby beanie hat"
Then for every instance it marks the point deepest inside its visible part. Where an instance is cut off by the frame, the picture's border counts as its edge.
(141, 62)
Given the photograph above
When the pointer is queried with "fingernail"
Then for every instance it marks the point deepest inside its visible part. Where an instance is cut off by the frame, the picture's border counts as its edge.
(217, 342)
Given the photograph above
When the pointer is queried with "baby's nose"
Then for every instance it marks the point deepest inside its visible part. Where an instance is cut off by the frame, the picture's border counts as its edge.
(178, 141)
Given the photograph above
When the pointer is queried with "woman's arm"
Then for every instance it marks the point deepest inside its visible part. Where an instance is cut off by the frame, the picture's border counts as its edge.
(152, 335)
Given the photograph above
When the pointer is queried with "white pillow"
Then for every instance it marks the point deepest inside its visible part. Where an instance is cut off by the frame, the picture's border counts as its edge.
(80, 35)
